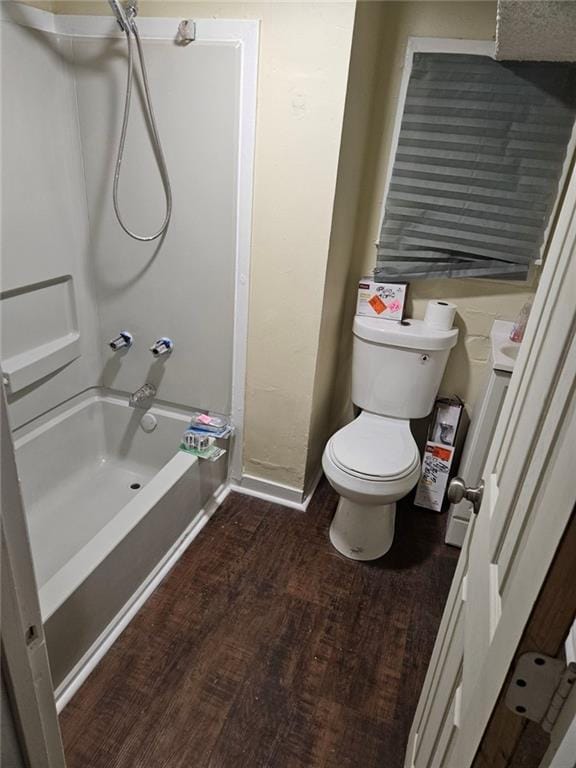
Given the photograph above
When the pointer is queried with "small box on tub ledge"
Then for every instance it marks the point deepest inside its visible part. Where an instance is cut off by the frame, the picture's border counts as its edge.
(385, 301)
(200, 437)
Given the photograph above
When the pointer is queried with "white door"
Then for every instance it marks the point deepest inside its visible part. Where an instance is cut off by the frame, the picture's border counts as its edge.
(530, 491)
(25, 665)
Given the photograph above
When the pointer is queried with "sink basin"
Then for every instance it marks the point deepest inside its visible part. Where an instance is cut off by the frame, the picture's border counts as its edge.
(510, 350)
(504, 351)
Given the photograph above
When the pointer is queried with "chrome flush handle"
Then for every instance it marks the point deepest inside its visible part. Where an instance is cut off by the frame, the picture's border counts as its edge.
(458, 490)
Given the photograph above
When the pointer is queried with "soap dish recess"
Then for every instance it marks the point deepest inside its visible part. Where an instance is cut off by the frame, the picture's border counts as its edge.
(24, 369)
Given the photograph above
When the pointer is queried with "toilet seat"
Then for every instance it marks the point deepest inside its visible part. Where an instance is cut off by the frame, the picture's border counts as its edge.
(375, 448)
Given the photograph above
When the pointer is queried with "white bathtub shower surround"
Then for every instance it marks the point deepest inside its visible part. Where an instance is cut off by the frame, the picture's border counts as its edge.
(191, 285)
(50, 338)
(97, 538)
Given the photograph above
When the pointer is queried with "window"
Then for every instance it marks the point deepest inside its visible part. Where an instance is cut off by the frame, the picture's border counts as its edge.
(481, 150)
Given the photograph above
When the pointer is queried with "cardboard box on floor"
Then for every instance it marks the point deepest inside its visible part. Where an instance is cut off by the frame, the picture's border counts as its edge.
(446, 435)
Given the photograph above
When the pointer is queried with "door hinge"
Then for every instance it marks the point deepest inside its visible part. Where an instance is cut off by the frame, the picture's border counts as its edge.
(539, 688)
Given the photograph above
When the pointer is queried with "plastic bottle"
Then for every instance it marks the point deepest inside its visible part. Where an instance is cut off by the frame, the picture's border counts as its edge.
(519, 328)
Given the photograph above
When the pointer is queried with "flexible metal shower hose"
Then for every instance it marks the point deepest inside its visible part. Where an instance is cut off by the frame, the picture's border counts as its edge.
(159, 153)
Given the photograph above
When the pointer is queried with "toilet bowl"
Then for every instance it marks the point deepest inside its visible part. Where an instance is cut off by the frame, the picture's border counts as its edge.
(371, 463)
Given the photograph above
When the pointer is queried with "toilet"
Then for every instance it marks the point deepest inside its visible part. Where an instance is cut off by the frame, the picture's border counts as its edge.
(374, 461)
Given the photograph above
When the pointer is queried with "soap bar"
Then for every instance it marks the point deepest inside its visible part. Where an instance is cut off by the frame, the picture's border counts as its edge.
(208, 422)
(221, 434)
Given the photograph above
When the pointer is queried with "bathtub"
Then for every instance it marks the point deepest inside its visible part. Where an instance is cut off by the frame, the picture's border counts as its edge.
(109, 503)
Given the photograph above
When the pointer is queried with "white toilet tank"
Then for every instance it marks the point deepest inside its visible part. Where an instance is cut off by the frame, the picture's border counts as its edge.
(397, 367)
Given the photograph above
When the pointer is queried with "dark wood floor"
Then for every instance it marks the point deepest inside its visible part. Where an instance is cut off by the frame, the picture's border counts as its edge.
(264, 647)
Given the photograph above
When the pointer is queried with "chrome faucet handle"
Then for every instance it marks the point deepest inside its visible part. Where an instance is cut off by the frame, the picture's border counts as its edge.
(124, 340)
(163, 346)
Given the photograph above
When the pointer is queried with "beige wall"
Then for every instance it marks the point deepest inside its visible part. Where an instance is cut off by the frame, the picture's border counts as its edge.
(356, 223)
(367, 40)
(304, 58)
(44, 5)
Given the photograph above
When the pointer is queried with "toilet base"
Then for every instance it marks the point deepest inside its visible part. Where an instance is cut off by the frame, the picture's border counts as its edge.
(362, 532)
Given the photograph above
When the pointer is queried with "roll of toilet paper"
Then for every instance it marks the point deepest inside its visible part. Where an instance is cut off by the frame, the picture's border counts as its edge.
(440, 315)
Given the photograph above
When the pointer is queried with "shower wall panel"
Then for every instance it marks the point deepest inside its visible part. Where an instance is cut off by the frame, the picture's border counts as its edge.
(62, 107)
(181, 286)
(48, 310)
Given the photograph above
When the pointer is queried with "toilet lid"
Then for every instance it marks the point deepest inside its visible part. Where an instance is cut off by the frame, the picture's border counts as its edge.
(375, 447)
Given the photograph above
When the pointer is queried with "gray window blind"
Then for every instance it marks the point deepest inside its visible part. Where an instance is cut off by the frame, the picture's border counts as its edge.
(480, 154)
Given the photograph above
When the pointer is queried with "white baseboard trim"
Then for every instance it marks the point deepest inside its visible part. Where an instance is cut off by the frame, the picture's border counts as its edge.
(276, 493)
(456, 532)
(267, 490)
(78, 675)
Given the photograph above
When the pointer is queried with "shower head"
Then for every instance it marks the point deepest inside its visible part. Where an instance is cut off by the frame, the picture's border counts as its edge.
(124, 12)
(120, 14)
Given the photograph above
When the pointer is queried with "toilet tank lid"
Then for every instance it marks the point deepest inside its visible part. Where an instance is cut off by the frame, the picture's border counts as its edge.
(414, 334)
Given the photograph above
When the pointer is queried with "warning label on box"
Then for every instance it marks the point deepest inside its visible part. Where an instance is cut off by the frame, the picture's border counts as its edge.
(435, 470)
